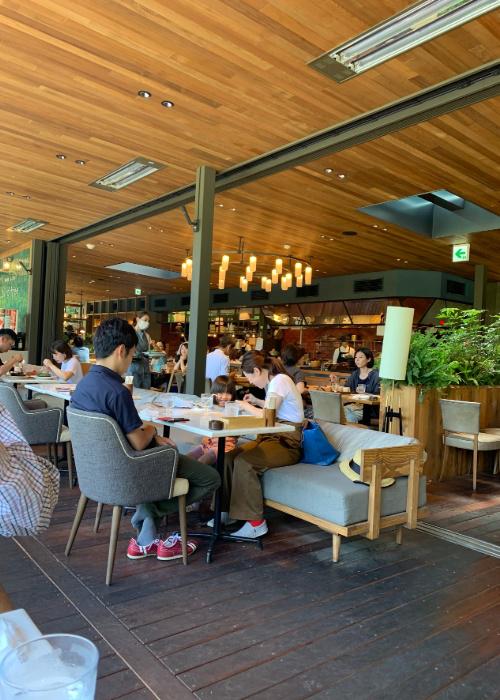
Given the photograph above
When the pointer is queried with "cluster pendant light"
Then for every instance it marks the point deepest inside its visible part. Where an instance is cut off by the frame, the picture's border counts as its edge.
(279, 275)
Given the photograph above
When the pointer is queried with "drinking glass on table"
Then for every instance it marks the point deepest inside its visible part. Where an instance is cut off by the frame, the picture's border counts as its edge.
(232, 408)
(361, 389)
(207, 401)
(53, 667)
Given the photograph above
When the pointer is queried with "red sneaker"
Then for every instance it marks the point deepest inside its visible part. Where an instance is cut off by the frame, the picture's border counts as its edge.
(171, 548)
(136, 551)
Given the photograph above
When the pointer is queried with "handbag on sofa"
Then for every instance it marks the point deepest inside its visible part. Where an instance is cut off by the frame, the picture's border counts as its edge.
(316, 447)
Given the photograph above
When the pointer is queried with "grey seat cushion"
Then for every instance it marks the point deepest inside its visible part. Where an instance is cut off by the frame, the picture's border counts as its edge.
(326, 493)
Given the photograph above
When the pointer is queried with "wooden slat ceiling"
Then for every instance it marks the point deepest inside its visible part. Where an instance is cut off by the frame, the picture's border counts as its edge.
(236, 71)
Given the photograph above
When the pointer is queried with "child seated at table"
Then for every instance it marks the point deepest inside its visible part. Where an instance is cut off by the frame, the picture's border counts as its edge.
(224, 390)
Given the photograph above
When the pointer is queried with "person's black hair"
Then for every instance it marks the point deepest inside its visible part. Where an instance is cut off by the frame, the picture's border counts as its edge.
(62, 346)
(110, 334)
(78, 341)
(368, 354)
(291, 354)
(178, 353)
(226, 341)
(255, 360)
(10, 333)
(223, 385)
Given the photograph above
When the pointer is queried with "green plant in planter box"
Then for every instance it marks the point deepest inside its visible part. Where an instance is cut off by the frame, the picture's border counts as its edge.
(472, 344)
(429, 363)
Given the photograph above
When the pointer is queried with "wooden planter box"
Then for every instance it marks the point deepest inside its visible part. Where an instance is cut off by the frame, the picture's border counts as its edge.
(422, 419)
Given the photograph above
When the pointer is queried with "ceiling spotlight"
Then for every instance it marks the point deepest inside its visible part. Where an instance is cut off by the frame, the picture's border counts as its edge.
(167, 103)
(332, 239)
(73, 256)
(90, 246)
(317, 270)
(341, 176)
(220, 205)
(92, 282)
(287, 246)
(233, 209)
(398, 259)
(323, 236)
(405, 262)
(61, 156)
(374, 225)
(328, 171)
(384, 229)
(10, 194)
(144, 94)
(81, 162)
(26, 196)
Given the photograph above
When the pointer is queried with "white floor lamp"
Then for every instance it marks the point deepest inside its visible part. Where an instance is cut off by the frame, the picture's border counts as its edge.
(395, 347)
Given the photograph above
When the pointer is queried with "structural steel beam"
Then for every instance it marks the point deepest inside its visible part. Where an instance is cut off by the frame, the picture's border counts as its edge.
(200, 285)
(464, 90)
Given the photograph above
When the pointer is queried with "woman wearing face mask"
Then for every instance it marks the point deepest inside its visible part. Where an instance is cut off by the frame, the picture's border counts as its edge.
(139, 368)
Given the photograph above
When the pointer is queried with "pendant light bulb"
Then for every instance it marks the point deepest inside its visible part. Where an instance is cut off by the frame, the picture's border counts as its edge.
(263, 282)
(253, 263)
(221, 283)
(225, 262)
(274, 276)
(284, 283)
(184, 270)
(298, 269)
(289, 279)
(279, 266)
(244, 284)
(269, 285)
(308, 275)
(300, 281)
(249, 273)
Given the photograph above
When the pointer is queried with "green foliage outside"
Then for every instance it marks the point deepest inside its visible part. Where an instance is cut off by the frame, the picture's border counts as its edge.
(465, 350)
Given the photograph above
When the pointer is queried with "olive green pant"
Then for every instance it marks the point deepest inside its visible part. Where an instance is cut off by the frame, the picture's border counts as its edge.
(242, 491)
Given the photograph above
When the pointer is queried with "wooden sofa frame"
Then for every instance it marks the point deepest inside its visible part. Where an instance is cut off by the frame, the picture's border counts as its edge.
(376, 464)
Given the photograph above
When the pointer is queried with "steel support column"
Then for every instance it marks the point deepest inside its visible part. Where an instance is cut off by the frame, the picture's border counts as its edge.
(53, 295)
(480, 280)
(34, 320)
(200, 284)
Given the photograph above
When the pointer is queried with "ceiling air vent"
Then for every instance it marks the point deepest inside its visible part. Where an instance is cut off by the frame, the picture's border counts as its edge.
(186, 301)
(220, 297)
(258, 294)
(127, 174)
(454, 287)
(27, 225)
(310, 290)
(369, 285)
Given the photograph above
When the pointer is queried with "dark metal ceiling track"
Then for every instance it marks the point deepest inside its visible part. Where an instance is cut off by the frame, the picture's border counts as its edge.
(469, 88)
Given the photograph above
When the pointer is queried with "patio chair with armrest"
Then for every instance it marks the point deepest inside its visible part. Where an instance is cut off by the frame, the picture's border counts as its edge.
(111, 472)
(461, 429)
(42, 426)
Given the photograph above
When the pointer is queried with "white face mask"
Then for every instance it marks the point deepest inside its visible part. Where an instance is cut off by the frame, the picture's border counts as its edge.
(142, 325)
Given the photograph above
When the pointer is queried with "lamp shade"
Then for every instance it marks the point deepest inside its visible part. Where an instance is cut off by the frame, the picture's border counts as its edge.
(396, 344)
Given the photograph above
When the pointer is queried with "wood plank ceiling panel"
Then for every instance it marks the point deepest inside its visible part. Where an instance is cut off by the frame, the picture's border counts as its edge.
(236, 71)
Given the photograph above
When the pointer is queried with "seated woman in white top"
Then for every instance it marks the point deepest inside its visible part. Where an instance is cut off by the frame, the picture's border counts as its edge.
(247, 463)
(70, 370)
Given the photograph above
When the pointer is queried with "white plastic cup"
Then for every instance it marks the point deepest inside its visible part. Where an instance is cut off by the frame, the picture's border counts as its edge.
(232, 408)
(53, 667)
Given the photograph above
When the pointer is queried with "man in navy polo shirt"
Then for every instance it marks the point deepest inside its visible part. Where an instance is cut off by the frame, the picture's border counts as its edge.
(102, 391)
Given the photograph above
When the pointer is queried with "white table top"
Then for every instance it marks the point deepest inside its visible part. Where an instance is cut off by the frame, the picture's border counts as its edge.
(12, 379)
(51, 389)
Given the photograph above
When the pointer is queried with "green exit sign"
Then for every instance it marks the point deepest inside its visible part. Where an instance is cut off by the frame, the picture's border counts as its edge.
(461, 252)
(138, 291)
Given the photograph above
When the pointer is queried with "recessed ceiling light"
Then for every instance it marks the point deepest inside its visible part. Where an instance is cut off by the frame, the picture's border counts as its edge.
(73, 256)
(323, 236)
(384, 229)
(81, 162)
(328, 171)
(144, 93)
(405, 262)
(317, 270)
(92, 282)
(287, 246)
(61, 156)
(11, 194)
(26, 196)
(127, 174)
(107, 290)
(341, 176)
(332, 239)
(111, 245)
(398, 259)
(90, 246)
(220, 205)
(374, 225)
(101, 242)
(149, 228)
(233, 209)
(167, 103)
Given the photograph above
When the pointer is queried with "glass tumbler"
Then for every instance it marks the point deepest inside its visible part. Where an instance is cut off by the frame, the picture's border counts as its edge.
(53, 667)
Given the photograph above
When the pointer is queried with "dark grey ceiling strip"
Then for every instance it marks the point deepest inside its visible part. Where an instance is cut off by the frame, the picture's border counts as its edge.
(469, 88)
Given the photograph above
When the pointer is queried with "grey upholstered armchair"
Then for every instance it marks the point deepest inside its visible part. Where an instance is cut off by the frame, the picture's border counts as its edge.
(42, 426)
(111, 472)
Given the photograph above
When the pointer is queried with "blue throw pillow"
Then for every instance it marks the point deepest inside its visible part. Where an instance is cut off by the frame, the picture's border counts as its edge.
(317, 449)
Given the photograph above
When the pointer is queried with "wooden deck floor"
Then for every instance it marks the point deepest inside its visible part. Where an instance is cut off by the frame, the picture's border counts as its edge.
(454, 506)
(419, 621)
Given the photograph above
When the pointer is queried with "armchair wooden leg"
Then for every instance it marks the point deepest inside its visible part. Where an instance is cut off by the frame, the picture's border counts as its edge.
(98, 515)
(183, 526)
(474, 468)
(113, 539)
(336, 541)
(443, 464)
(399, 535)
(69, 458)
(80, 510)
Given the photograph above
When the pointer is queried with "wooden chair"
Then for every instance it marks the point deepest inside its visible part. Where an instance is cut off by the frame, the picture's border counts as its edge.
(179, 381)
(328, 406)
(111, 472)
(461, 430)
